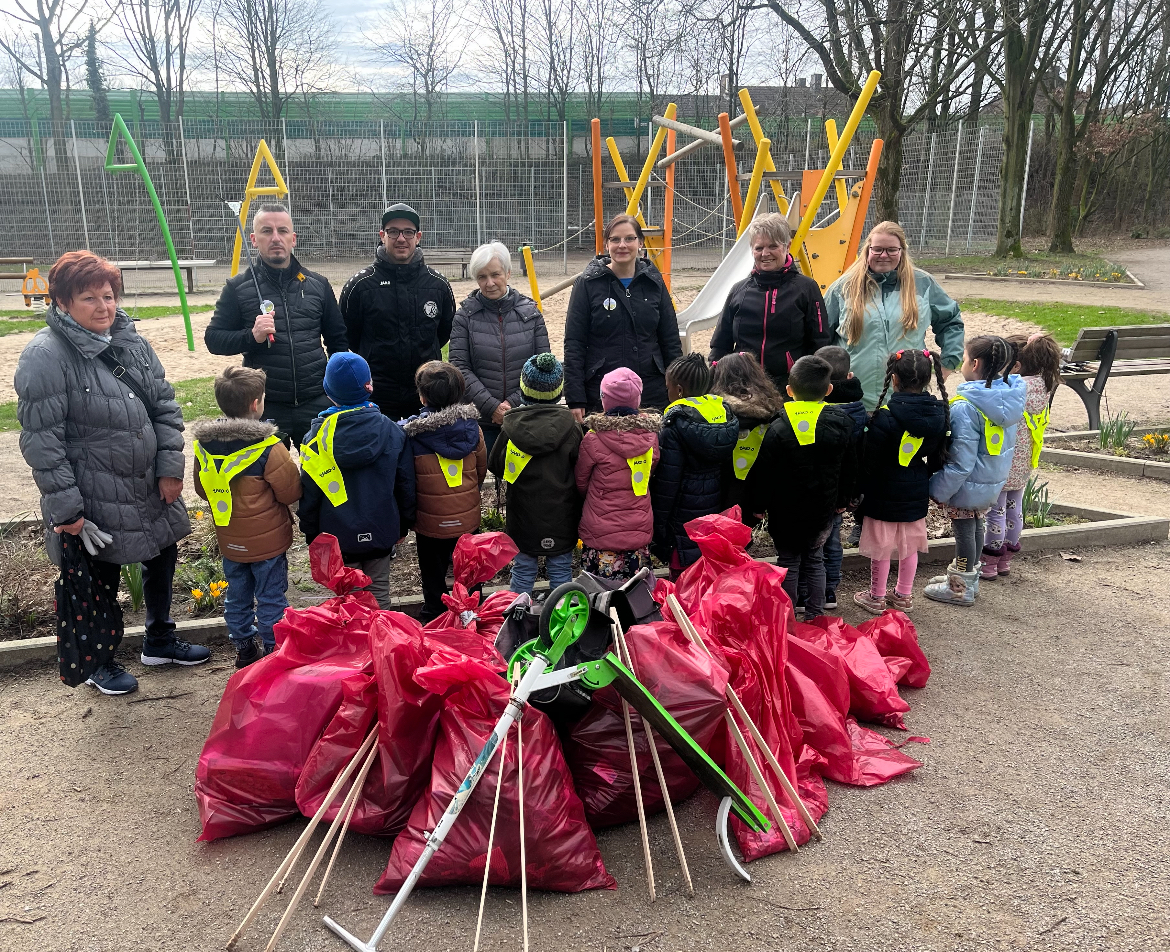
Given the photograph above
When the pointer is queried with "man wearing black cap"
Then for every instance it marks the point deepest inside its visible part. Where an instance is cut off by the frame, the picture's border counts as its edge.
(398, 312)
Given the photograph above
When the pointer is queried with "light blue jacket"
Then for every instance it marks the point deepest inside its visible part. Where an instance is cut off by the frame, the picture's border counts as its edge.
(972, 477)
(882, 332)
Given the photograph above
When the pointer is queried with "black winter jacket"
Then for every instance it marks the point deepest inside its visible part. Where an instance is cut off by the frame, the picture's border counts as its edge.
(802, 487)
(378, 469)
(892, 492)
(609, 326)
(397, 316)
(776, 316)
(752, 412)
(544, 507)
(846, 396)
(490, 340)
(689, 480)
(306, 311)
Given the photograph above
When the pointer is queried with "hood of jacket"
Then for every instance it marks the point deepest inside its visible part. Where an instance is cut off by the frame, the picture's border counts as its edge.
(360, 436)
(599, 268)
(627, 436)
(122, 332)
(919, 414)
(845, 391)
(539, 430)
(709, 442)
(753, 410)
(1002, 403)
(393, 271)
(452, 432)
(770, 279)
(228, 434)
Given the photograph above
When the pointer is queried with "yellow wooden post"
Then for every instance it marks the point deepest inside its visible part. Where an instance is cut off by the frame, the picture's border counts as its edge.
(749, 110)
(252, 190)
(648, 167)
(530, 267)
(842, 192)
(763, 158)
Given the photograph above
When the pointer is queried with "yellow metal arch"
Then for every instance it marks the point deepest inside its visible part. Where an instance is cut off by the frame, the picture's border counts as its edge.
(252, 190)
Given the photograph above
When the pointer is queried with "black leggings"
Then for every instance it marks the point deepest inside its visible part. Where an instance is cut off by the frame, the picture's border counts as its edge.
(968, 542)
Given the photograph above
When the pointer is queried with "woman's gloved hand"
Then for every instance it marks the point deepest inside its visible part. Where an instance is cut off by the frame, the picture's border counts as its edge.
(93, 538)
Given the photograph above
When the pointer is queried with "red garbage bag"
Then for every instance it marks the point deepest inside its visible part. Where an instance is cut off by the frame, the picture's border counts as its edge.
(745, 616)
(407, 718)
(329, 568)
(721, 538)
(689, 684)
(561, 850)
(273, 711)
(873, 689)
(897, 640)
(477, 559)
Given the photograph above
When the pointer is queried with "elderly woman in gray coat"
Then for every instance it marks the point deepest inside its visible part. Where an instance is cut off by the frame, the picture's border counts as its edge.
(495, 330)
(104, 437)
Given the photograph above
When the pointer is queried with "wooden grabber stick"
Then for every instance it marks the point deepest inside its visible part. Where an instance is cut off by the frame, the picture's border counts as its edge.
(298, 847)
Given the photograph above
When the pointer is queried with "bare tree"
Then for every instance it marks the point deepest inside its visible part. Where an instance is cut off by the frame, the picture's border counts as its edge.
(557, 41)
(598, 53)
(157, 51)
(275, 49)
(428, 39)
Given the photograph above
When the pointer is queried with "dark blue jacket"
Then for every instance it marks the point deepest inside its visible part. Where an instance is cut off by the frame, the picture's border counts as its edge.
(378, 471)
(847, 396)
(896, 493)
(689, 480)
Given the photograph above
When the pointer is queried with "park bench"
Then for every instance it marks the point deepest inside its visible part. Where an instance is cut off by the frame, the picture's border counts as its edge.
(191, 267)
(1103, 352)
(7, 271)
(435, 259)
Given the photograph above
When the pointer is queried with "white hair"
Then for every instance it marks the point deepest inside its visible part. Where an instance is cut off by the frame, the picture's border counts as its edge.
(485, 254)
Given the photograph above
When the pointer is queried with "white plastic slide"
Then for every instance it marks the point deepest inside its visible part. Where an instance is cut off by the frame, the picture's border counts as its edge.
(705, 309)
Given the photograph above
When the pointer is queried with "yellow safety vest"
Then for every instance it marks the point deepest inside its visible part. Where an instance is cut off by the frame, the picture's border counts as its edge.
(992, 433)
(452, 470)
(318, 461)
(803, 415)
(710, 406)
(908, 448)
(640, 471)
(216, 472)
(743, 457)
(514, 462)
(1037, 424)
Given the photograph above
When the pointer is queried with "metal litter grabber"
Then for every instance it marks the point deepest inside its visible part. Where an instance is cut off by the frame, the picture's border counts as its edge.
(570, 617)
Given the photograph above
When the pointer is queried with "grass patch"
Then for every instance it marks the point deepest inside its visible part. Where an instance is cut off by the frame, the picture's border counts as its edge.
(196, 397)
(1064, 321)
(19, 327)
(142, 312)
(1036, 264)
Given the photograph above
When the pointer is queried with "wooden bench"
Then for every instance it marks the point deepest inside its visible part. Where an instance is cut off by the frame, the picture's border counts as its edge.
(191, 268)
(436, 258)
(11, 274)
(1103, 352)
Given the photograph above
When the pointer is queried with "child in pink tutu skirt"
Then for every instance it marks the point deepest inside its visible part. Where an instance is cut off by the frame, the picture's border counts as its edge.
(905, 442)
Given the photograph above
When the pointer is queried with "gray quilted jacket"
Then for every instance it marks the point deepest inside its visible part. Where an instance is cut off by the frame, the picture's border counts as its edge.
(490, 340)
(90, 442)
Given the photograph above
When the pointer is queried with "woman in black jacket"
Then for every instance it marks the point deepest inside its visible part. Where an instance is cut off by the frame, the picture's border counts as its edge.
(494, 332)
(776, 313)
(620, 315)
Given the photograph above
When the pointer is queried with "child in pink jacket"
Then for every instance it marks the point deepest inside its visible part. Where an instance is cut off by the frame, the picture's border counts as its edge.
(616, 459)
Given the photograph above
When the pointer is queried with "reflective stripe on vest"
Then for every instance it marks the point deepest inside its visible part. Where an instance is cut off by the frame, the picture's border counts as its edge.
(216, 472)
(992, 434)
(452, 470)
(1037, 424)
(743, 457)
(514, 462)
(709, 406)
(640, 471)
(908, 448)
(803, 415)
(318, 461)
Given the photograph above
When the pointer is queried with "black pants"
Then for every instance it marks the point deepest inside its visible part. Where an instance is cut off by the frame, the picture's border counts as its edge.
(806, 569)
(293, 422)
(158, 577)
(434, 556)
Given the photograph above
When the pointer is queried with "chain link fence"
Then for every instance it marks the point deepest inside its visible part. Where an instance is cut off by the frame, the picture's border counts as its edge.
(527, 183)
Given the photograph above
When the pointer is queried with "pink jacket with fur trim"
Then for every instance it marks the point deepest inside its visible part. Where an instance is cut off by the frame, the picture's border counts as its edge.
(614, 518)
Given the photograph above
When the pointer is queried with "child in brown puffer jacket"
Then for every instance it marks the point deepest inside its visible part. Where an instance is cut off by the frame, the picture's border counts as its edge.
(450, 465)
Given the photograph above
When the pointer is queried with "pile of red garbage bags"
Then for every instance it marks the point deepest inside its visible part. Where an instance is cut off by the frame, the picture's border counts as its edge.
(288, 724)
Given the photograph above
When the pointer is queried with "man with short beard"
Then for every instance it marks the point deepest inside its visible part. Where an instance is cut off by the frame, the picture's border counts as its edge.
(398, 312)
(285, 344)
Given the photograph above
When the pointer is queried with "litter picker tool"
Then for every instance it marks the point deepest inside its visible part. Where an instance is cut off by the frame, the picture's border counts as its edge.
(569, 617)
(266, 306)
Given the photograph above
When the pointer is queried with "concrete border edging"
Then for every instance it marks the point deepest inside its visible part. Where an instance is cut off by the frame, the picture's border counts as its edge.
(1134, 285)
(1103, 527)
(1097, 462)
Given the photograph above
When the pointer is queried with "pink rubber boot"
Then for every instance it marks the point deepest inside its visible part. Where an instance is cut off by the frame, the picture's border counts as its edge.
(989, 567)
(1010, 551)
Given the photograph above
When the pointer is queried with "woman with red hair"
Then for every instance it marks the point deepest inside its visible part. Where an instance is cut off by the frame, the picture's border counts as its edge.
(104, 437)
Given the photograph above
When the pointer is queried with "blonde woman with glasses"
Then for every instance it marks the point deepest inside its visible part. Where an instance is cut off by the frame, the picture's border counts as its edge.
(883, 304)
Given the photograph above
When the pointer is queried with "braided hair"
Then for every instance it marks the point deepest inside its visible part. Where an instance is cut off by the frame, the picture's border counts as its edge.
(691, 374)
(997, 356)
(914, 369)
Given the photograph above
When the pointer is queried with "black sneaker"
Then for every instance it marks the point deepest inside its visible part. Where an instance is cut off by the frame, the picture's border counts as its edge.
(247, 652)
(830, 598)
(112, 678)
(174, 652)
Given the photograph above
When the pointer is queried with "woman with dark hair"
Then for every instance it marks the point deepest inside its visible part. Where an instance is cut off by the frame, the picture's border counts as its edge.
(620, 315)
(104, 437)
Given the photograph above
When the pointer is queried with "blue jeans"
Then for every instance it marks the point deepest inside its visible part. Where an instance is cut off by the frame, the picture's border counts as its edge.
(833, 555)
(255, 599)
(559, 569)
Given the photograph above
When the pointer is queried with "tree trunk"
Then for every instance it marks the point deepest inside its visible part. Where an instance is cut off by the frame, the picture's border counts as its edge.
(1060, 219)
(889, 173)
(1019, 97)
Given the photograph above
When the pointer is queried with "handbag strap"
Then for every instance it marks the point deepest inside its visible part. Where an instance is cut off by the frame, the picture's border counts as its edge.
(123, 375)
